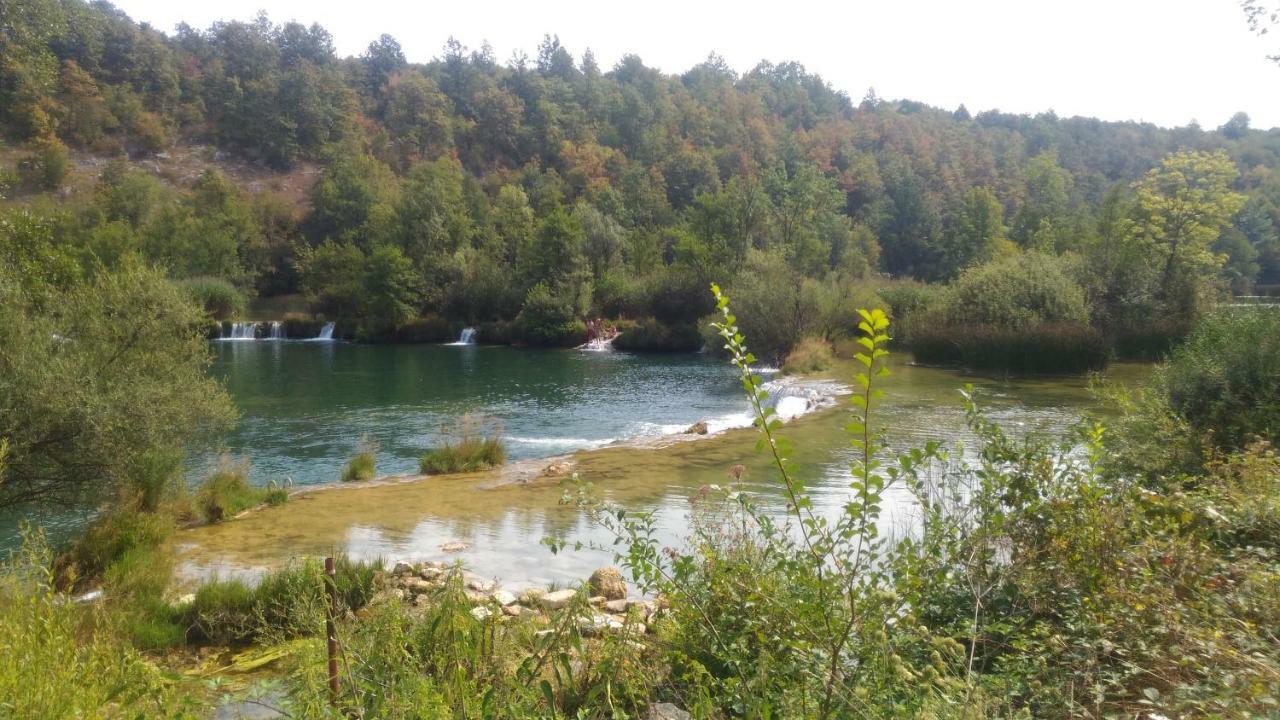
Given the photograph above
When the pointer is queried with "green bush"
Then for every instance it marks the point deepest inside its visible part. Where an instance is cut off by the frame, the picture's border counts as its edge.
(1050, 348)
(219, 298)
(548, 320)
(468, 454)
(1224, 382)
(49, 166)
(810, 355)
(650, 335)
(1016, 292)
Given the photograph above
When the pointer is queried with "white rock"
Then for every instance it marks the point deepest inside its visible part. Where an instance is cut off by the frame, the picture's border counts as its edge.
(617, 606)
(479, 584)
(503, 597)
(481, 613)
(667, 711)
(513, 610)
(558, 599)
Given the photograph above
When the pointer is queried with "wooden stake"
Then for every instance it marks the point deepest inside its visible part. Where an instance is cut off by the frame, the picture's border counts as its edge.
(331, 585)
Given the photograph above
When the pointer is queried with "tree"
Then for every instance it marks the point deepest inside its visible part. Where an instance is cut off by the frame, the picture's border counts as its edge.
(391, 287)
(974, 236)
(1182, 208)
(95, 377)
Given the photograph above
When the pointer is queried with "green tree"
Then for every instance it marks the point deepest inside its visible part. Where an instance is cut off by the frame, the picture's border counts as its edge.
(94, 378)
(391, 287)
(1182, 208)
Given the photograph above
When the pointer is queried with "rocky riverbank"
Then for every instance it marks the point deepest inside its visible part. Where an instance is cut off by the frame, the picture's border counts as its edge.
(605, 600)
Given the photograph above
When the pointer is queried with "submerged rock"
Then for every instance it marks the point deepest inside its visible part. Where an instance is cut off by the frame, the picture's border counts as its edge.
(698, 428)
(455, 546)
(560, 468)
(607, 581)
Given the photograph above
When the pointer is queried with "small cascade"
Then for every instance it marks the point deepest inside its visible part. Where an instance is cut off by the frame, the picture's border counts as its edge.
(466, 337)
(326, 332)
(277, 330)
(240, 331)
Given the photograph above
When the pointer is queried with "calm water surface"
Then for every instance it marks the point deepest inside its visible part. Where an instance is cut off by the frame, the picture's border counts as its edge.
(305, 405)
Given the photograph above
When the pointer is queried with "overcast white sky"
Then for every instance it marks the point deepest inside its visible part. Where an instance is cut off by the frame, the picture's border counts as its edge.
(1163, 61)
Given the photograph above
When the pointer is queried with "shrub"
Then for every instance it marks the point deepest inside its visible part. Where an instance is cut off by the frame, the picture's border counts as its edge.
(811, 355)
(1225, 380)
(548, 320)
(1050, 348)
(219, 298)
(49, 166)
(227, 492)
(1016, 292)
(363, 466)
(650, 335)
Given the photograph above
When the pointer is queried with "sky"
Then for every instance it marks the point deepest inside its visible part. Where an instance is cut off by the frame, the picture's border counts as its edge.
(1163, 61)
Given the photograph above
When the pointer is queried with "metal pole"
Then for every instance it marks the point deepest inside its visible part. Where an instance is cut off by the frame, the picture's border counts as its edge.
(331, 585)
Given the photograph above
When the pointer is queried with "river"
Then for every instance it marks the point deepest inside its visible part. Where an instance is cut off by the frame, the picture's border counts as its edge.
(305, 406)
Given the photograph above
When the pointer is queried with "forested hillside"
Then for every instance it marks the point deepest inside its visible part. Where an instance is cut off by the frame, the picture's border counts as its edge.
(544, 189)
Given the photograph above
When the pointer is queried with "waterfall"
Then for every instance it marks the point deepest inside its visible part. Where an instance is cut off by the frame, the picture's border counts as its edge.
(277, 330)
(326, 332)
(240, 331)
(466, 337)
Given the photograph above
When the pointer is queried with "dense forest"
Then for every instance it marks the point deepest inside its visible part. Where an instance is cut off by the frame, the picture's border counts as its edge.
(525, 196)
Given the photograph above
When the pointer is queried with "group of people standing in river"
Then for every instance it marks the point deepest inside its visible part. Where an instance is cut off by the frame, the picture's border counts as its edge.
(599, 329)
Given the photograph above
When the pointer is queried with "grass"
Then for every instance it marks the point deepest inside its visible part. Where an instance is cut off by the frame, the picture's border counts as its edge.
(63, 659)
(469, 454)
(227, 492)
(1050, 348)
(364, 466)
(810, 355)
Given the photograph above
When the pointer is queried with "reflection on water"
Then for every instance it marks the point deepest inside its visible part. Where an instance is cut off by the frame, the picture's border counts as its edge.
(503, 523)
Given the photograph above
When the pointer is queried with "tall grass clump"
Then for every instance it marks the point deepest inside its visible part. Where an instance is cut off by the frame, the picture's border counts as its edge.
(220, 299)
(62, 659)
(471, 448)
(364, 466)
(809, 356)
(283, 604)
(227, 492)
